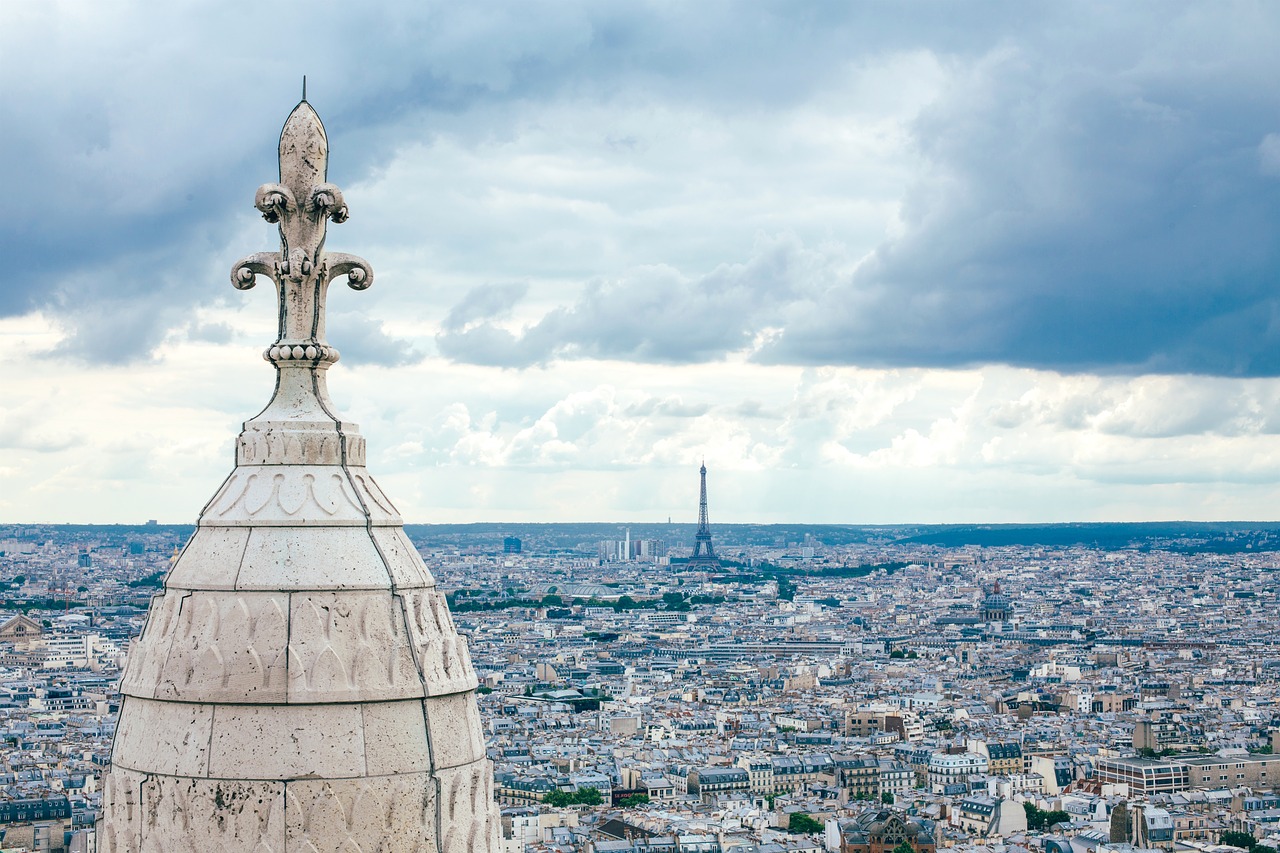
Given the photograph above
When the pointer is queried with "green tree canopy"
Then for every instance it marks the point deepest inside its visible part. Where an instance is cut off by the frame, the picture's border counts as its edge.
(802, 823)
(1040, 820)
(559, 799)
(580, 797)
(1243, 840)
(588, 796)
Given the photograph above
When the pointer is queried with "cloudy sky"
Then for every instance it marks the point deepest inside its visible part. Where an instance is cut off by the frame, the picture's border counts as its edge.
(874, 262)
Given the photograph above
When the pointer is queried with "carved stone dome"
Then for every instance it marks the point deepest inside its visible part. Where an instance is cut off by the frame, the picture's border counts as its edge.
(299, 684)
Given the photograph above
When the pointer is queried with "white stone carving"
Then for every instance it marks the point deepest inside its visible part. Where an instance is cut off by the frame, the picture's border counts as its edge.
(300, 686)
(466, 814)
(120, 828)
(349, 647)
(397, 813)
(288, 444)
(251, 815)
(225, 648)
(442, 655)
(299, 495)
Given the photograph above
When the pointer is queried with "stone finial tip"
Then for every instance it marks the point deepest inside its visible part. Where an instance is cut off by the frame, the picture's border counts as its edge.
(301, 204)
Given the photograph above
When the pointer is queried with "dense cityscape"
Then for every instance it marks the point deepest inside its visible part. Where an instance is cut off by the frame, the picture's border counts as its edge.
(1008, 264)
(796, 688)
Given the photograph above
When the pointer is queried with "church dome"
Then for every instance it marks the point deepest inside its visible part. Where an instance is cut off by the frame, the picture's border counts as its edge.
(996, 601)
(996, 607)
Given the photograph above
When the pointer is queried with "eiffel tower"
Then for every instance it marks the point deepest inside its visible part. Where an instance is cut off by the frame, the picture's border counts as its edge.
(704, 556)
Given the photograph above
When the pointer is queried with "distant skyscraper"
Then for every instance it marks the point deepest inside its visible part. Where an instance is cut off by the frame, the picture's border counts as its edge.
(511, 545)
(704, 555)
(626, 550)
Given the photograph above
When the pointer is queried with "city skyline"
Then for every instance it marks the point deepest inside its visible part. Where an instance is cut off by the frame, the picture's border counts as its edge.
(1019, 269)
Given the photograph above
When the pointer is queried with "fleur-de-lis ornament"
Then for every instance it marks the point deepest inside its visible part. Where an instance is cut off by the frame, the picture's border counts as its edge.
(302, 204)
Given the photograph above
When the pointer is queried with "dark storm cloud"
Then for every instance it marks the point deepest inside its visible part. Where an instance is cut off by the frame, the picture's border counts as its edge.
(1098, 197)
(1099, 191)
(136, 130)
(1074, 220)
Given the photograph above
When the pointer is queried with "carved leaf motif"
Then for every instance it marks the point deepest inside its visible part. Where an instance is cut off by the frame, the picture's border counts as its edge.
(254, 671)
(210, 668)
(316, 620)
(210, 625)
(238, 621)
(328, 672)
(260, 493)
(291, 494)
(270, 621)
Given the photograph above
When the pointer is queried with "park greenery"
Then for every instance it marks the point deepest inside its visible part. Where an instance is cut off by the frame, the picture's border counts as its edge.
(801, 823)
(471, 600)
(580, 797)
(1244, 841)
(1040, 820)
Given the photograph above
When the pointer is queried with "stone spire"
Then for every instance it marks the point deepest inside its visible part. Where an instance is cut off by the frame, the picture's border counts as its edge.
(299, 684)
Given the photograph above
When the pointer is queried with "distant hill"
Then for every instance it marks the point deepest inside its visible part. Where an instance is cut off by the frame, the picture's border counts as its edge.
(1179, 536)
(1220, 537)
(1183, 536)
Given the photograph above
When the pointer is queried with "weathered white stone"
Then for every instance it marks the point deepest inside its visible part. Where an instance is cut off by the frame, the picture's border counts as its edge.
(285, 443)
(120, 829)
(163, 737)
(466, 809)
(211, 559)
(300, 686)
(227, 647)
(390, 814)
(176, 811)
(442, 654)
(395, 738)
(294, 495)
(287, 741)
(148, 652)
(349, 646)
(403, 561)
(300, 558)
(455, 728)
